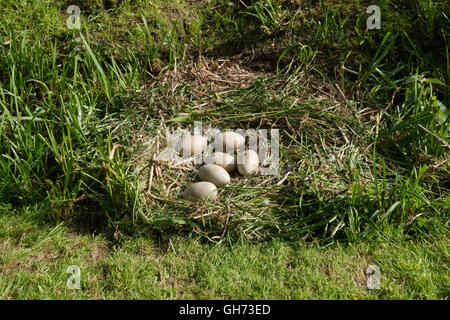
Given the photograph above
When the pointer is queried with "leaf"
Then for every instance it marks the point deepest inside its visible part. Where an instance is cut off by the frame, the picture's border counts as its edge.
(99, 67)
(170, 221)
(292, 46)
(180, 118)
(435, 81)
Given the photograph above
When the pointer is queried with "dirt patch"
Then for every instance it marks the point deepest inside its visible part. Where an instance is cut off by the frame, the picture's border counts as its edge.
(31, 263)
(99, 252)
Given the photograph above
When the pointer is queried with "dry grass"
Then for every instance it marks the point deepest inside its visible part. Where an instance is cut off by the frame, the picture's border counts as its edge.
(209, 75)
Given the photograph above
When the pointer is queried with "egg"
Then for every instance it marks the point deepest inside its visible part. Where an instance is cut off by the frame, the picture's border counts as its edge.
(229, 141)
(250, 163)
(214, 174)
(193, 145)
(224, 160)
(201, 191)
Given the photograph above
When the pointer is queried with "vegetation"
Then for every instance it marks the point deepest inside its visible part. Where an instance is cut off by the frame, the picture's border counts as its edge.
(364, 130)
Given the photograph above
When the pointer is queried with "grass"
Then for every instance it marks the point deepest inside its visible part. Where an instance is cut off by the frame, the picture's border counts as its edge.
(364, 131)
(35, 261)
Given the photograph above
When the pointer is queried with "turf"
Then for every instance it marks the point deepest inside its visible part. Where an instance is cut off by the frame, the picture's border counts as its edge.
(35, 261)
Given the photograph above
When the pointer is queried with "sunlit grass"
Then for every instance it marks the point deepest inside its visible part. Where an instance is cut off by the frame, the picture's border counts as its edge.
(364, 131)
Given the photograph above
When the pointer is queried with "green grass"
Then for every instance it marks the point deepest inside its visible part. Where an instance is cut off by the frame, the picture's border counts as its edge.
(35, 260)
(364, 131)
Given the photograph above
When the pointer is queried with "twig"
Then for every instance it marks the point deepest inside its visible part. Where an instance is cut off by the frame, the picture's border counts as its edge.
(202, 216)
(264, 182)
(343, 135)
(349, 70)
(162, 199)
(173, 180)
(105, 165)
(392, 102)
(289, 126)
(318, 89)
(444, 143)
(176, 167)
(111, 154)
(181, 168)
(279, 183)
(413, 218)
(82, 197)
(226, 225)
(246, 6)
(437, 164)
(342, 93)
(150, 180)
(393, 96)
(197, 210)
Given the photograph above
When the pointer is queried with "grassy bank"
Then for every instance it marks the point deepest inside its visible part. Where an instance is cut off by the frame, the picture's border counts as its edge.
(35, 261)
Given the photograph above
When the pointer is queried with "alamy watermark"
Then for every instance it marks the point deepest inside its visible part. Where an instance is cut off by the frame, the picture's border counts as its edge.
(373, 277)
(265, 142)
(374, 21)
(74, 281)
(74, 20)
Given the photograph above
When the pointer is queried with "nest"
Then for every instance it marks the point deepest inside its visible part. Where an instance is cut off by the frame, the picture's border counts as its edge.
(207, 75)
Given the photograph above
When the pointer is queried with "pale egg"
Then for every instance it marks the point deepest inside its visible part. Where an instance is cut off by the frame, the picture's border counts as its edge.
(214, 174)
(249, 164)
(192, 145)
(224, 160)
(229, 142)
(201, 191)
